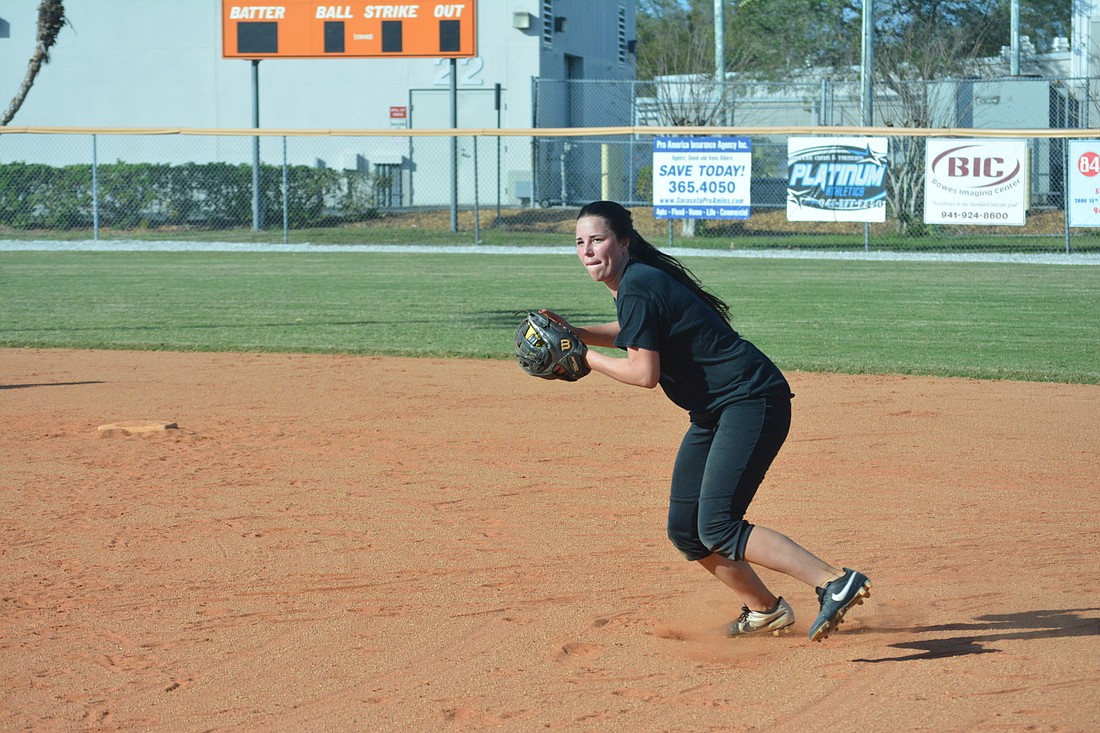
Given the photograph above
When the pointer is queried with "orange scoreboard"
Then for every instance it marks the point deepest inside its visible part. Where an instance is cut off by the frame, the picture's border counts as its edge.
(378, 29)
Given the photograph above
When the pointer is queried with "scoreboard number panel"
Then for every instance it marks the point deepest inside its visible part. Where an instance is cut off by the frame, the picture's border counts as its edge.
(378, 29)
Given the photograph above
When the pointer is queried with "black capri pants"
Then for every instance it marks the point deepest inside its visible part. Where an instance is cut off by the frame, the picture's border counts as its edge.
(722, 461)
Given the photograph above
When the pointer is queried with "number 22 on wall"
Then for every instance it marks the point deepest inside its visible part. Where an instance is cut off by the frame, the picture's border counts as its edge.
(469, 72)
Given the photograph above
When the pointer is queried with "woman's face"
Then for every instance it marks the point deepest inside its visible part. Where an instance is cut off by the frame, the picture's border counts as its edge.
(602, 253)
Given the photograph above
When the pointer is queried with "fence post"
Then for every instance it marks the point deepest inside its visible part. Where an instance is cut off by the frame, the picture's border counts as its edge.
(605, 172)
(286, 203)
(95, 191)
(1065, 190)
(454, 145)
(497, 98)
(257, 212)
(477, 200)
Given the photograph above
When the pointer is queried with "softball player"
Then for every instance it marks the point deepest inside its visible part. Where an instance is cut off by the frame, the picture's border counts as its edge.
(677, 335)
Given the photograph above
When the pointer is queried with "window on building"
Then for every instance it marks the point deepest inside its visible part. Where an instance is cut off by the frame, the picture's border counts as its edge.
(547, 22)
(622, 35)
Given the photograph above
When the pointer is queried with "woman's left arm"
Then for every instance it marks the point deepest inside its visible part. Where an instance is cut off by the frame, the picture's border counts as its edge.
(641, 367)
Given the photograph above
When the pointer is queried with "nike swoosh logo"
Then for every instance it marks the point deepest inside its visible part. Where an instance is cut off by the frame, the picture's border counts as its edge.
(840, 596)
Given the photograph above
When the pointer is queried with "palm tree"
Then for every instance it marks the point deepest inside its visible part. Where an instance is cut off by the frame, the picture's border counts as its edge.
(51, 19)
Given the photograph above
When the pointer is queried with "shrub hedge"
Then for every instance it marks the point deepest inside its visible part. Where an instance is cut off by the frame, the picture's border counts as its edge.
(216, 195)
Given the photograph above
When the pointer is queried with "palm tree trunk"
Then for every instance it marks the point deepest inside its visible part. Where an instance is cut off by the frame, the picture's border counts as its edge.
(51, 19)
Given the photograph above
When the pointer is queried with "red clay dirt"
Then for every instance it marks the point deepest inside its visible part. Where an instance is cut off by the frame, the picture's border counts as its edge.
(353, 543)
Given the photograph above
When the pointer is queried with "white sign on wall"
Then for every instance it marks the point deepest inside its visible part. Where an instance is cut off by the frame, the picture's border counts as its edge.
(1083, 207)
(976, 182)
(701, 177)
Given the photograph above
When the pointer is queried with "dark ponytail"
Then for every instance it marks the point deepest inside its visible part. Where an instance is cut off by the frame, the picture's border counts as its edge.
(620, 221)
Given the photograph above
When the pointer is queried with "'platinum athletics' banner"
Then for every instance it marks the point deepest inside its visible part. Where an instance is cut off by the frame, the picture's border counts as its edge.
(836, 179)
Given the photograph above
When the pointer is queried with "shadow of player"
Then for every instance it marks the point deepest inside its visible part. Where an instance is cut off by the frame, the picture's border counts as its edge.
(991, 628)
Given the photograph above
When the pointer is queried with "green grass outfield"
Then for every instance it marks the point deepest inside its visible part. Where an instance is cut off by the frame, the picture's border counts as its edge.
(982, 320)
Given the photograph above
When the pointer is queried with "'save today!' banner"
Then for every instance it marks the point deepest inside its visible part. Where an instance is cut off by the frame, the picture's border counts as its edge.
(701, 177)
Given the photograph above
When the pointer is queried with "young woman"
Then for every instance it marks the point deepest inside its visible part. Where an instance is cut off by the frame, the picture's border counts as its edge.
(677, 335)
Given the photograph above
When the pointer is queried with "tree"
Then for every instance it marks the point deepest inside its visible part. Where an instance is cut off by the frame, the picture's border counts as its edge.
(916, 45)
(1040, 20)
(764, 38)
(772, 39)
(676, 52)
(781, 38)
(920, 45)
(51, 19)
(987, 23)
(667, 30)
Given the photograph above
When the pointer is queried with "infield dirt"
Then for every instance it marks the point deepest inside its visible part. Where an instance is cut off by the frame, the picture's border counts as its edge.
(355, 543)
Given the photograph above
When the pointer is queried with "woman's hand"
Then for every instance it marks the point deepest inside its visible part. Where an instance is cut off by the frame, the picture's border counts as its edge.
(557, 319)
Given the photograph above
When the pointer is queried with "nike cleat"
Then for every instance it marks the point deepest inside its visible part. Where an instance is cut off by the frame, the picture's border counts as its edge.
(836, 597)
(762, 622)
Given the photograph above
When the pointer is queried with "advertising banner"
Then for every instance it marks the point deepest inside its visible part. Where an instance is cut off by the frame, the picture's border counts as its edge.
(976, 182)
(1083, 209)
(836, 179)
(701, 177)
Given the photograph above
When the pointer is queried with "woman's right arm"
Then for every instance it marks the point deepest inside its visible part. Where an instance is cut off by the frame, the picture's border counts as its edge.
(601, 335)
(641, 367)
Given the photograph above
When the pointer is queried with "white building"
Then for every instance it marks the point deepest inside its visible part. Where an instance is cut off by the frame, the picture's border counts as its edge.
(160, 64)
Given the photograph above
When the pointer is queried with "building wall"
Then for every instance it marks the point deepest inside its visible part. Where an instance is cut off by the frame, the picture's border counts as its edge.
(137, 63)
(1085, 38)
(143, 63)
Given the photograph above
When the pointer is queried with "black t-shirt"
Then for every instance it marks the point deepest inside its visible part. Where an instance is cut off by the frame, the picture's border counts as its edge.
(705, 364)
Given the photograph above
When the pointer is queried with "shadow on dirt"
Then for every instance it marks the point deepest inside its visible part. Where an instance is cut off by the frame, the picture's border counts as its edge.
(991, 628)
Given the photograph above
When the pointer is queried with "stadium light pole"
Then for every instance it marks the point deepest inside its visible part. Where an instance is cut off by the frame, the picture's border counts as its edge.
(719, 41)
(720, 56)
(867, 65)
(1014, 40)
(866, 69)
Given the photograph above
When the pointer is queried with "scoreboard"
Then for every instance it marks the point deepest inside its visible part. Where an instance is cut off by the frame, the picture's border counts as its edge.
(378, 29)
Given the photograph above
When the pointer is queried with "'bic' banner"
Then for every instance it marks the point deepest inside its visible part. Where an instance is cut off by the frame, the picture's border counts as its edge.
(976, 182)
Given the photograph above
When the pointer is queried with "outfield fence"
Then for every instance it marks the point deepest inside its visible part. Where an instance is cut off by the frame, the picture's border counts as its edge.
(474, 186)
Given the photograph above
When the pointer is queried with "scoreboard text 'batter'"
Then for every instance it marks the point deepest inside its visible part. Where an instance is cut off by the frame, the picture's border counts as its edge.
(309, 29)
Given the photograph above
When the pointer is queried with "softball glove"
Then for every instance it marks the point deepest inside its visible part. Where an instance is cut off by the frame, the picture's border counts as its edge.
(546, 349)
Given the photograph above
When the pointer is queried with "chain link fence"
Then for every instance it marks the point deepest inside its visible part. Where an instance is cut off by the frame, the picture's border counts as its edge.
(593, 140)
